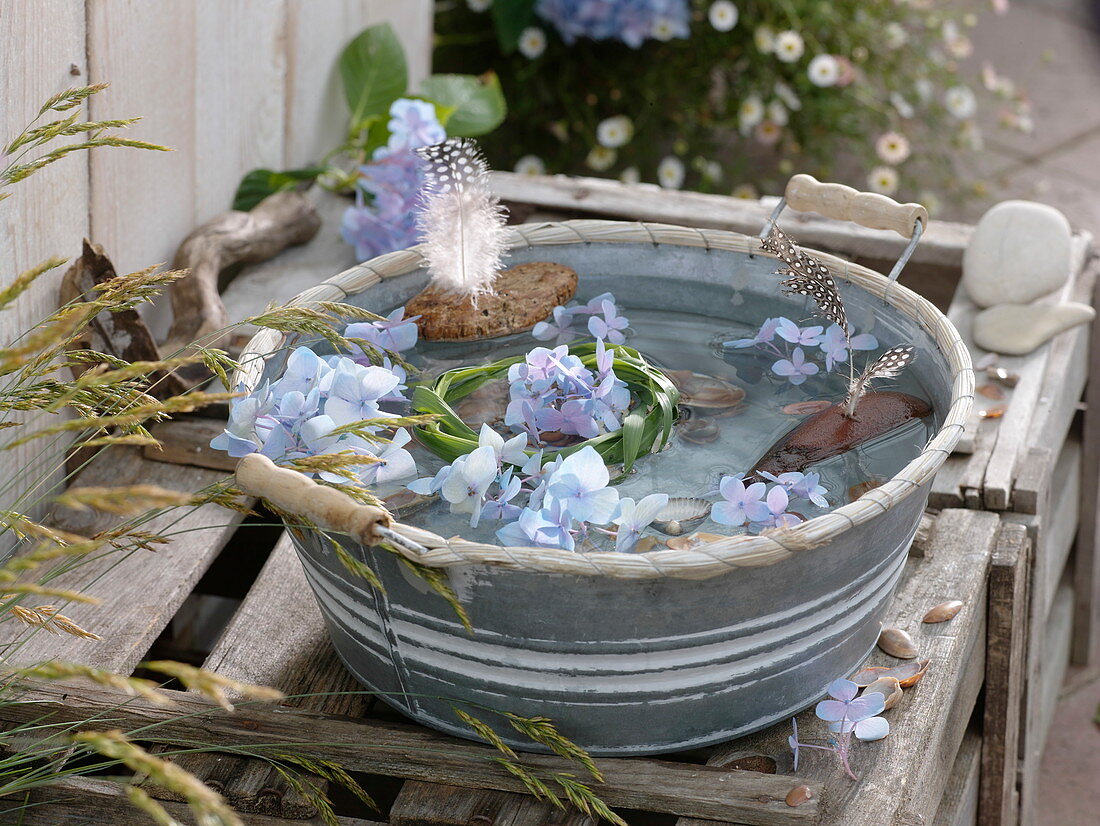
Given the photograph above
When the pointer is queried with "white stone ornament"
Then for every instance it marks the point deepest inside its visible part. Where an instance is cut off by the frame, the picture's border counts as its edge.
(1019, 252)
(1017, 329)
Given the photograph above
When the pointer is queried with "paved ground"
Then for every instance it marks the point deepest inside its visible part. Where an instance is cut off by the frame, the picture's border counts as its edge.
(1053, 48)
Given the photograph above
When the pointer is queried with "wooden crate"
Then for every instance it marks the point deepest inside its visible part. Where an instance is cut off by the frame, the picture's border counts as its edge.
(277, 637)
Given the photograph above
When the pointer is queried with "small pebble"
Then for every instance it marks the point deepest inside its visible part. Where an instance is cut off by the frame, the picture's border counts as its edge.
(943, 612)
(991, 391)
(897, 643)
(799, 795)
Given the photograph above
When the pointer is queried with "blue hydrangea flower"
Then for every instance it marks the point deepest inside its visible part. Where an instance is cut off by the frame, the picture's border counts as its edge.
(796, 369)
(580, 486)
(738, 500)
(540, 528)
(499, 507)
(467, 485)
(630, 21)
(846, 713)
(763, 336)
(772, 511)
(804, 336)
(634, 517)
(559, 330)
(610, 325)
(394, 333)
(801, 486)
(383, 218)
(413, 124)
(356, 392)
(835, 346)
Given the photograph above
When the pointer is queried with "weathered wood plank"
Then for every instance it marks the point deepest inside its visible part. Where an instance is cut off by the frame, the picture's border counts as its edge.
(186, 441)
(1086, 569)
(942, 244)
(902, 778)
(1033, 480)
(92, 802)
(1005, 671)
(959, 805)
(431, 804)
(412, 752)
(139, 591)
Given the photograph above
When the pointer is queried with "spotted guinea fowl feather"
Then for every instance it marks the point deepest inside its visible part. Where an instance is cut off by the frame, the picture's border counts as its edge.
(886, 366)
(807, 276)
(462, 222)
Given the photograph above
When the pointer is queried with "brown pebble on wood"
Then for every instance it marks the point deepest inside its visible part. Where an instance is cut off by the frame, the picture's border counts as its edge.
(897, 643)
(799, 795)
(522, 297)
(943, 612)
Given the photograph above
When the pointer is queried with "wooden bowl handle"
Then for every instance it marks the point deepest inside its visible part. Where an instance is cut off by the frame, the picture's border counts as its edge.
(807, 194)
(326, 507)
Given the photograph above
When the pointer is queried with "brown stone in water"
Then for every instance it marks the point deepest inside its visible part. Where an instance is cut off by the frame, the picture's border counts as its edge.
(830, 432)
(522, 297)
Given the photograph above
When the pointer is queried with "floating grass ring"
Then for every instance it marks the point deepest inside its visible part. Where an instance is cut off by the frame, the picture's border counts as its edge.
(646, 428)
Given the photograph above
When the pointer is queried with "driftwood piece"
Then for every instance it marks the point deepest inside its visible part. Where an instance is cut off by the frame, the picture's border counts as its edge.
(233, 237)
(122, 334)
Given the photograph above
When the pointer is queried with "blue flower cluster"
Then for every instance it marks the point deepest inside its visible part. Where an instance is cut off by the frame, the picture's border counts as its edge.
(631, 21)
(387, 191)
(604, 321)
(308, 410)
(760, 508)
(793, 363)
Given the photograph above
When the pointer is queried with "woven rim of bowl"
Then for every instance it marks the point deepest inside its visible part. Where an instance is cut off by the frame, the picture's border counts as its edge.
(715, 557)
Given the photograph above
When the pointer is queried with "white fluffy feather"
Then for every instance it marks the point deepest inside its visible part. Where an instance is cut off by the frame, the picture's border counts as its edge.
(462, 222)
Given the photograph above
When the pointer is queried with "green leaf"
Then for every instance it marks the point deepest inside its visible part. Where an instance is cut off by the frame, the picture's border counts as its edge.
(259, 183)
(510, 19)
(373, 70)
(471, 105)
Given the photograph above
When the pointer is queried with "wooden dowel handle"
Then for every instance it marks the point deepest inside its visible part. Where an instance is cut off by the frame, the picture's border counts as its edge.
(807, 194)
(326, 507)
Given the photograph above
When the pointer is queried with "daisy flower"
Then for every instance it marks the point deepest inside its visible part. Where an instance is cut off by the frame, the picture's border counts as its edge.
(751, 112)
(615, 132)
(960, 102)
(746, 191)
(670, 172)
(479, 5)
(824, 70)
(901, 105)
(892, 147)
(530, 165)
(929, 200)
(630, 175)
(768, 132)
(723, 15)
(883, 180)
(777, 113)
(786, 94)
(532, 42)
(789, 46)
(601, 158)
(896, 35)
(764, 38)
(665, 28)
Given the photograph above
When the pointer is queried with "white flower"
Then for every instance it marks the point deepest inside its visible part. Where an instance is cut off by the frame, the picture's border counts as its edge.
(479, 5)
(971, 136)
(723, 15)
(789, 46)
(530, 165)
(532, 42)
(712, 171)
(630, 175)
(746, 191)
(615, 132)
(751, 112)
(924, 88)
(930, 200)
(892, 147)
(786, 94)
(764, 37)
(777, 113)
(769, 133)
(901, 105)
(601, 158)
(883, 179)
(670, 172)
(896, 35)
(663, 29)
(824, 70)
(960, 102)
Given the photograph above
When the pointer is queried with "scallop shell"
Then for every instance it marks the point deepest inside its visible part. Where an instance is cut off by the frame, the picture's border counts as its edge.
(897, 643)
(703, 391)
(888, 687)
(679, 513)
(943, 612)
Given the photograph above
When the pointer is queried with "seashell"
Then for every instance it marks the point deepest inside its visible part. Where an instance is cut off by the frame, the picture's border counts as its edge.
(1003, 376)
(857, 490)
(646, 544)
(698, 430)
(992, 413)
(486, 405)
(897, 643)
(991, 391)
(909, 674)
(868, 675)
(806, 408)
(888, 687)
(798, 795)
(700, 390)
(943, 612)
(680, 512)
(686, 543)
(405, 503)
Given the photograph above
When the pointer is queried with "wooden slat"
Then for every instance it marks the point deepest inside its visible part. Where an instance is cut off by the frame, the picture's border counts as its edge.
(186, 441)
(431, 804)
(1005, 670)
(91, 801)
(942, 244)
(959, 805)
(403, 750)
(902, 778)
(141, 591)
(1086, 569)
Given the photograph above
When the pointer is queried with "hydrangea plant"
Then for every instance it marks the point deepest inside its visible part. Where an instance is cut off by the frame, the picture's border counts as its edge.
(726, 95)
(799, 349)
(846, 715)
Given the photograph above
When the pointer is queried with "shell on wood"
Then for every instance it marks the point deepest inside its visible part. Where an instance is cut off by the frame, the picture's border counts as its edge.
(798, 795)
(686, 543)
(907, 674)
(707, 392)
(888, 687)
(866, 676)
(991, 391)
(897, 643)
(943, 612)
(681, 512)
